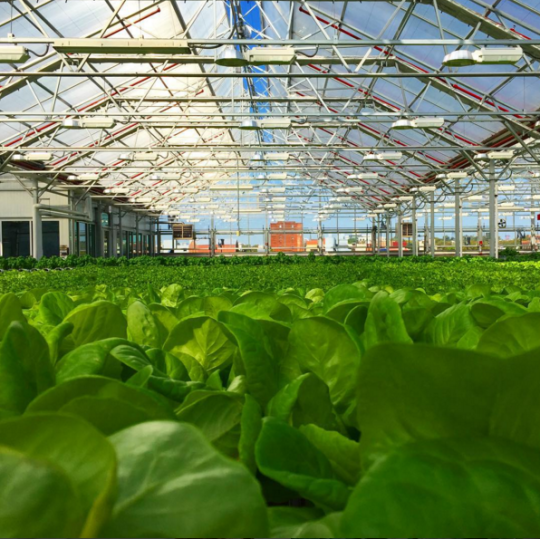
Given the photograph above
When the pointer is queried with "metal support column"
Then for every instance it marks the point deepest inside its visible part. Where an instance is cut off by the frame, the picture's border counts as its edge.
(120, 233)
(458, 220)
(71, 226)
(374, 238)
(432, 225)
(533, 231)
(37, 229)
(320, 238)
(137, 244)
(414, 229)
(493, 213)
(212, 238)
(388, 225)
(400, 232)
(480, 234)
(99, 232)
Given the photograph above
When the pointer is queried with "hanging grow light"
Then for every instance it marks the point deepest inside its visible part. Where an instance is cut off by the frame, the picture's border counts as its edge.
(271, 56)
(486, 56)
(33, 156)
(231, 57)
(418, 123)
(88, 123)
(386, 156)
(13, 54)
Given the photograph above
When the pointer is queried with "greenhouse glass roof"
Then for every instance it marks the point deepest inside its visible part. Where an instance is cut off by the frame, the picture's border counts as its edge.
(267, 105)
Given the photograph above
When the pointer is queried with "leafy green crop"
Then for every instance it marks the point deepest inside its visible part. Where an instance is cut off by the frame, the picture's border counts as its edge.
(140, 408)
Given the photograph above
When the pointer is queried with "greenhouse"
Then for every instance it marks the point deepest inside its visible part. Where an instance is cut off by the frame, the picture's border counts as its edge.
(269, 268)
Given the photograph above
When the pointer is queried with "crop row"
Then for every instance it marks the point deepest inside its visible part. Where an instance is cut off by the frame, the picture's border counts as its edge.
(431, 277)
(362, 411)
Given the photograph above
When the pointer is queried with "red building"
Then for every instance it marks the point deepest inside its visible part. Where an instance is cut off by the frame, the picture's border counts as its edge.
(283, 238)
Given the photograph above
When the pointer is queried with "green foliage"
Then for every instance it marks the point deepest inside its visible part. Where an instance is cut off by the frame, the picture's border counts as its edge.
(257, 399)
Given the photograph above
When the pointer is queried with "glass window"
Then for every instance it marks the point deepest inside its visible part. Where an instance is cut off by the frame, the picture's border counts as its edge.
(15, 238)
(51, 238)
(105, 220)
(106, 235)
(82, 239)
(86, 239)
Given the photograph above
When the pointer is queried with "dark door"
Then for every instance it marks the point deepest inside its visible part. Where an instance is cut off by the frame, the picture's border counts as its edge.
(16, 238)
(51, 238)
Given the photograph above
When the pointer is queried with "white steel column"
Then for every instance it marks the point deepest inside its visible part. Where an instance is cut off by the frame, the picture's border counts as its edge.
(480, 234)
(533, 229)
(432, 225)
(120, 233)
(99, 231)
(400, 232)
(37, 229)
(493, 214)
(374, 237)
(388, 225)
(458, 220)
(414, 229)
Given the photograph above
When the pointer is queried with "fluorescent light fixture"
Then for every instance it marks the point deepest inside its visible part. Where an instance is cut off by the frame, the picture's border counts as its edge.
(507, 188)
(536, 197)
(13, 54)
(122, 46)
(119, 190)
(427, 189)
(507, 214)
(486, 56)
(187, 190)
(448, 205)
(231, 57)
(33, 156)
(390, 206)
(406, 198)
(379, 211)
(507, 205)
(276, 157)
(277, 190)
(475, 198)
(271, 55)
(88, 123)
